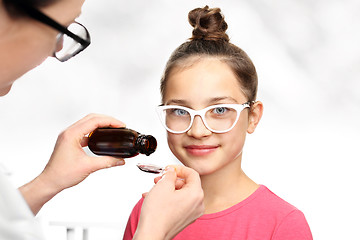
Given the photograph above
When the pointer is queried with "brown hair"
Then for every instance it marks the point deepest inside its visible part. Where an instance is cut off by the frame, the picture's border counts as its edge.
(209, 39)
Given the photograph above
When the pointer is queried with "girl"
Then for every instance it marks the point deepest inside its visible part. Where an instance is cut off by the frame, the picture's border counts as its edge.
(208, 106)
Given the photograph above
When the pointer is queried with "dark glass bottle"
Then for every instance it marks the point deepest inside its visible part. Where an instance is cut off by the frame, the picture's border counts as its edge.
(120, 142)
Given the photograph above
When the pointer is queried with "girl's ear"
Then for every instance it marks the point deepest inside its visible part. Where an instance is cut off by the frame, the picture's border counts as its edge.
(255, 114)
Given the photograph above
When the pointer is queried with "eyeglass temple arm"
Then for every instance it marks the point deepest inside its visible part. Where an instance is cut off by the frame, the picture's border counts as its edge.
(45, 19)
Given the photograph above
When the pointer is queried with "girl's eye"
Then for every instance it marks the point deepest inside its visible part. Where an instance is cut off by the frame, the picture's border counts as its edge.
(220, 110)
(179, 112)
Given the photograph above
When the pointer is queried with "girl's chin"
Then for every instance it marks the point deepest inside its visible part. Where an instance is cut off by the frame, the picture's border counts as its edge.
(202, 170)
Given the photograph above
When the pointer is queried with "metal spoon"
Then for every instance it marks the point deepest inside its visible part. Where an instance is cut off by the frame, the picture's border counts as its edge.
(150, 168)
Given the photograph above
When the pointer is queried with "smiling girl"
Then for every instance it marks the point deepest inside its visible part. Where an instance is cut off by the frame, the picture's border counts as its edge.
(208, 107)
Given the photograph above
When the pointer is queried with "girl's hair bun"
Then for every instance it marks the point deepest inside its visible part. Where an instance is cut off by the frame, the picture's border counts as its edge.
(209, 24)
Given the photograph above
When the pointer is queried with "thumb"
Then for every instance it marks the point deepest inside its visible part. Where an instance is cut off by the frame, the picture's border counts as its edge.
(106, 162)
(168, 178)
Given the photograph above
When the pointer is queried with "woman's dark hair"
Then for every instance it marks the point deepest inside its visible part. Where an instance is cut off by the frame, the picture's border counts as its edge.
(209, 39)
(13, 7)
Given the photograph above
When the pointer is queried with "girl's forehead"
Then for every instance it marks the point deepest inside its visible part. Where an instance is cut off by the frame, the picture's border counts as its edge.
(204, 79)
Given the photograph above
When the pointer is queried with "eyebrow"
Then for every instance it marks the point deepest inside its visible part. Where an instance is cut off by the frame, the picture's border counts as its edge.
(219, 99)
(211, 101)
(176, 102)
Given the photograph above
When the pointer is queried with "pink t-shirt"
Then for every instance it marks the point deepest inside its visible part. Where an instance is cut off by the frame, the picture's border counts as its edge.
(261, 216)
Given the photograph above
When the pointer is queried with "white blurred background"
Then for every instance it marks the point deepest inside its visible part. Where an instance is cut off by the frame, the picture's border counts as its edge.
(305, 149)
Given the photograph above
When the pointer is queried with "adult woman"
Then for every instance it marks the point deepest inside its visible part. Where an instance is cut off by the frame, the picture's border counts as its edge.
(30, 32)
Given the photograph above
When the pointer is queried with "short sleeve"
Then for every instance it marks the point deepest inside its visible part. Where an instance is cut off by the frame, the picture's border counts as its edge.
(294, 226)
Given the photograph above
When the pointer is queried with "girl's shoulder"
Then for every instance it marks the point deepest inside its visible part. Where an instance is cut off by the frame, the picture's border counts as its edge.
(261, 201)
(271, 201)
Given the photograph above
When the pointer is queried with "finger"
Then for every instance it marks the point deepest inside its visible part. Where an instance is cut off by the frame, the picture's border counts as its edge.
(91, 116)
(190, 176)
(84, 141)
(98, 122)
(179, 183)
(93, 121)
(157, 179)
(106, 162)
(168, 179)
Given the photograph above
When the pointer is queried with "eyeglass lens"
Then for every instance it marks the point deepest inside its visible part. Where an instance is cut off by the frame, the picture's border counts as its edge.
(67, 47)
(216, 118)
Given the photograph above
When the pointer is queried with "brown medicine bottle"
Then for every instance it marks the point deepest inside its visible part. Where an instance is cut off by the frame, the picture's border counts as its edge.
(120, 142)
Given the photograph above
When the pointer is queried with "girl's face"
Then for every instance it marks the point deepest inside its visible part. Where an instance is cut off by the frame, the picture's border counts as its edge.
(27, 42)
(204, 83)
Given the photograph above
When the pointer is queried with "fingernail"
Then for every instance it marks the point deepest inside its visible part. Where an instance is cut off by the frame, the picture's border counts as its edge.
(120, 163)
(168, 169)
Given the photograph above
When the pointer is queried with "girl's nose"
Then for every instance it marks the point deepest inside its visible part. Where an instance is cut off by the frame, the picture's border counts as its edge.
(198, 128)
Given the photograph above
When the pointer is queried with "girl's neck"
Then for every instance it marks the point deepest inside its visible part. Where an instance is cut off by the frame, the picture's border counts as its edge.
(226, 187)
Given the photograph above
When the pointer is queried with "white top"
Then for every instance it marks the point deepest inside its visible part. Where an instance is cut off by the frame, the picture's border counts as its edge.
(17, 222)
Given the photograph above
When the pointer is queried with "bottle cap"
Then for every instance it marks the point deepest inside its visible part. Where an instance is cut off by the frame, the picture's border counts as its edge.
(147, 144)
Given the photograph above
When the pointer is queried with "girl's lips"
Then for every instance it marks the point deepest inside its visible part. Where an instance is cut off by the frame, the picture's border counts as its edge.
(200, 150)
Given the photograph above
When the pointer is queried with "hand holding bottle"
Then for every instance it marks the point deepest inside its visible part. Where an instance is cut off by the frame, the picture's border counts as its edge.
(169, 207)
(69, 164)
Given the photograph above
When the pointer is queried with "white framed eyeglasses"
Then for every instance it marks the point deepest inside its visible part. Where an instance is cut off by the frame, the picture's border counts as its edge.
(218, 118)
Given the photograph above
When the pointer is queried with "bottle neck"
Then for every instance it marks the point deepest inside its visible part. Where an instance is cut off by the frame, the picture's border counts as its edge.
(146, 144)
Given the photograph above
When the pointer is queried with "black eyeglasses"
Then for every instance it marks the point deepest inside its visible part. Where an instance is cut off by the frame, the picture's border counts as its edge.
(70, 41)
